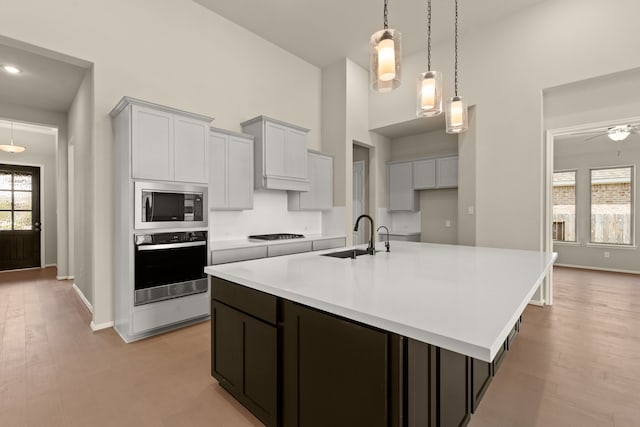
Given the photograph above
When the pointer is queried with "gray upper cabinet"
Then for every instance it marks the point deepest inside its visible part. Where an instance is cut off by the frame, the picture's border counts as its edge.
(405, 177)
(191, 140)
(320, 194)
(401, 195)
(280, 154)
(424, 174)
(166, 144)
(447, 168)
(231, 170)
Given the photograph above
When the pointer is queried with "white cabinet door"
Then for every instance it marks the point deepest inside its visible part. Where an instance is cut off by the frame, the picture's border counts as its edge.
(240, 173)
(190, 150)
(296, 154)
(152, 144)
(324, 182)
(400, 186)
(447, 168)
(320, 194)
(218, 197)
(275, 149)
(424, 174)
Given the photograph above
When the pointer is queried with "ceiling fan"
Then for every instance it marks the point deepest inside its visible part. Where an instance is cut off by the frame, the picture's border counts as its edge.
(616, 133)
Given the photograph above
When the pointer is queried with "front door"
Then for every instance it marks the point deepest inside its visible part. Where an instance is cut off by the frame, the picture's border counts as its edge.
(19, 217)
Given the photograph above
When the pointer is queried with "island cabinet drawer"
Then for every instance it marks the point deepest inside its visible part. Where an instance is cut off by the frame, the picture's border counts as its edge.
(224, 256)
(288, 248)
(254, 303)
(319, 245)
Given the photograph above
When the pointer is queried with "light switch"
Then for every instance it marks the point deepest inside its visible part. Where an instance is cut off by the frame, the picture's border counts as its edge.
(447, 223)
(470, 210)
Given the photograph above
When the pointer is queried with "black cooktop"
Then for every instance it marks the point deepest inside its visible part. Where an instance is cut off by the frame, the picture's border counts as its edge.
(277, 236)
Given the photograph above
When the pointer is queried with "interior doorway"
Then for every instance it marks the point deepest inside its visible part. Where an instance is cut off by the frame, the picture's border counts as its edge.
(19, 217)
(360, 194)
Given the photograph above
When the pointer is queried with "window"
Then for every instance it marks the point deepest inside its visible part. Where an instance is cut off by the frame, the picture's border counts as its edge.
(611, 205)
(15, 200)
(564, 206)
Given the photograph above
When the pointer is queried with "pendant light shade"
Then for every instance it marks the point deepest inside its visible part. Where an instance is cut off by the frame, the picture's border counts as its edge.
(456, 115)
(429, 94)
(11, 148)
(385, 54)
(429, 83)
(456, 109)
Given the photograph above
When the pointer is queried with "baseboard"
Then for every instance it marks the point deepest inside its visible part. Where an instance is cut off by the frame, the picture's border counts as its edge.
(82, 297)
(50, 265)
(536, 302)
(65, 277)
(585, 267)
(99, 326)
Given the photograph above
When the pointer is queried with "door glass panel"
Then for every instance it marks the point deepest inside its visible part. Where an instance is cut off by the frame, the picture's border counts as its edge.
(22, 200)
(22, 221)
(5, 181)
(5, 200)
(22, 182)
(5, 220)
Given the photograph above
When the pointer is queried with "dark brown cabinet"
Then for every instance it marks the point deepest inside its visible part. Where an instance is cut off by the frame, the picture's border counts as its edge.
(296, 366)
(244, 347)
(451, 384)
(335, 372)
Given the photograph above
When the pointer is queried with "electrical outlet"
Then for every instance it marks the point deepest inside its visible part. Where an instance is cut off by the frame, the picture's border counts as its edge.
(607, 254)
(470, 210)
(447, 223)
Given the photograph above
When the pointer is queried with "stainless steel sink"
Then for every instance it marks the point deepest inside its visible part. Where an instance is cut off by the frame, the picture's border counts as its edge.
(351, 253)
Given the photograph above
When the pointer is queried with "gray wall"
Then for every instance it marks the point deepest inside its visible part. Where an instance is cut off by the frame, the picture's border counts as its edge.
(40, 151)
(610, 97)
(436, 206)
(600, 152)
(59, 121)
(80, 137)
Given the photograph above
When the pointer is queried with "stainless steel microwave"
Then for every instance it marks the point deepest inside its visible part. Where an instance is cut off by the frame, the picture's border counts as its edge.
(169, 205)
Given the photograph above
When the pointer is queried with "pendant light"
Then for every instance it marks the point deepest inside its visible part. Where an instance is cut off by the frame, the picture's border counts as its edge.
(385, 54)
(456, 111)
(429, 87)
(11, 148)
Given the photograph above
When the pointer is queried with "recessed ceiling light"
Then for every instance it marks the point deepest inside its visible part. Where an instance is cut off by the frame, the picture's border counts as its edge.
(12, 69)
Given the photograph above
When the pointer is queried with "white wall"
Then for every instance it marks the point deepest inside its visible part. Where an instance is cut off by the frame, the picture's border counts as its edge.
(503, 71)
(269, 215)
(40, 151)
(174, 53)
(81, 139)
(57, 120)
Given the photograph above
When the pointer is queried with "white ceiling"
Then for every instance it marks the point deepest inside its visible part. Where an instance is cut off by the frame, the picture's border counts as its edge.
(45, 83)
(325, 31)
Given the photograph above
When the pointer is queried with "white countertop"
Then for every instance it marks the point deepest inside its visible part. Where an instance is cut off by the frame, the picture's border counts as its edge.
(217, 245)
(462, 298)
(399, 233)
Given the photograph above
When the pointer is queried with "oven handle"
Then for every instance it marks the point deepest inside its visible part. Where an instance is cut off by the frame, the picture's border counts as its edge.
(170, 246)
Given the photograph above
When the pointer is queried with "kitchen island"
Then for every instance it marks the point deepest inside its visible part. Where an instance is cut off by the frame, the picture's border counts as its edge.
(407, 337)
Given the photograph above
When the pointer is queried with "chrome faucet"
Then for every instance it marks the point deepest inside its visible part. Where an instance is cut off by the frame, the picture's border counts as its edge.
(386, 243)
(370, 249)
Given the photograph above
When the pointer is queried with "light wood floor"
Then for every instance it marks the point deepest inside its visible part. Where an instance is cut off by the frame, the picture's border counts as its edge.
(574, 364)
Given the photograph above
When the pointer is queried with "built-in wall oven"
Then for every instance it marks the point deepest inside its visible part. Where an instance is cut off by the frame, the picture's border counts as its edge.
(169, 265)
(169, 205)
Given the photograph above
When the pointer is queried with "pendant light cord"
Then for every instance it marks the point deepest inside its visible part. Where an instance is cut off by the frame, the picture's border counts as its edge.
(429, 35)
(386, 14)
(455, 84)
